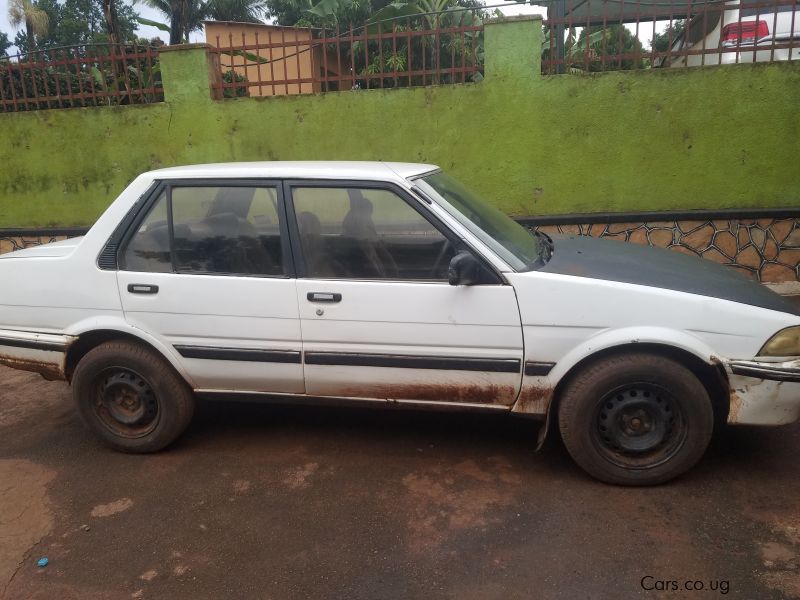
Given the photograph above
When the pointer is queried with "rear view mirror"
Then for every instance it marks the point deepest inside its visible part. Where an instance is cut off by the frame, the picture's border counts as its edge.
(464, 269)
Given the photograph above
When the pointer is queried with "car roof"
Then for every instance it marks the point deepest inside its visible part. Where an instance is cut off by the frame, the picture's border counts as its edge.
(297, 170)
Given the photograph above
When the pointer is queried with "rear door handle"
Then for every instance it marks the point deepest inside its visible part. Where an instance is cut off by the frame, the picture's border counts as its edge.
(142, 288)
(323, 297)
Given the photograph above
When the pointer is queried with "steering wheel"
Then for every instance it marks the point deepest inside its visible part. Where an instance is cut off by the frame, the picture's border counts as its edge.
(437, 265)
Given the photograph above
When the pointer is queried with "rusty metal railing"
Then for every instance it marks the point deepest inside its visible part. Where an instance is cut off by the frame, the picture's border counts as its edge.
(622, 35)
(76, 76)
(293, 60)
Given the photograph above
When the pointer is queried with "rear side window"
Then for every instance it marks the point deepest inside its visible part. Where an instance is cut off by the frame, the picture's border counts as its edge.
(225, 230)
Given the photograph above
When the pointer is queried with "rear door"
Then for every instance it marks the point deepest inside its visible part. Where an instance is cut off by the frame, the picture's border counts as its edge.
(208, 271)
(378, 317)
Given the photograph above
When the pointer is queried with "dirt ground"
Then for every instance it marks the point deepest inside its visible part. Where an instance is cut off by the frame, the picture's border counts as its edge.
(262, 501)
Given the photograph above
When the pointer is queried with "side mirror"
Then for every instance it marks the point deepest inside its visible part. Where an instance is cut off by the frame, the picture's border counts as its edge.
(464, 269)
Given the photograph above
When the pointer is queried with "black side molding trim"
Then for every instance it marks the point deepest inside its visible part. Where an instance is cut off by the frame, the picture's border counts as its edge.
(399, 361)
(49, 346)
(766, 372)
(538, 369)
(240, 354)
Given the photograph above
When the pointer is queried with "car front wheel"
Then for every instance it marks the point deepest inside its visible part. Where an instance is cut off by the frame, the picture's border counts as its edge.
(635, 419)
(130, 397)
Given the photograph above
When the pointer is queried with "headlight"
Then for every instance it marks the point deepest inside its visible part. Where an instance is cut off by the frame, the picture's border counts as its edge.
(784, 343)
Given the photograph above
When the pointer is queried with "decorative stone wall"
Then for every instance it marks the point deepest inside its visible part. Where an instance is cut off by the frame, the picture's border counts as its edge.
(9, 244)
(764, 249)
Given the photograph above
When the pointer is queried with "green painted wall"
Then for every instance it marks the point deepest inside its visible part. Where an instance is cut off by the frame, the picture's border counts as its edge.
(718, 137)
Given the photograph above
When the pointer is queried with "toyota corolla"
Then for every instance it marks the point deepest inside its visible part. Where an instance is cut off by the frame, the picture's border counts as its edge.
(393, 283)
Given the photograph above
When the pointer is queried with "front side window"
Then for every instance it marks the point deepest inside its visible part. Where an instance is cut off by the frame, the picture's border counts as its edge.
(227, 230)
(510, 240)
(364, 233)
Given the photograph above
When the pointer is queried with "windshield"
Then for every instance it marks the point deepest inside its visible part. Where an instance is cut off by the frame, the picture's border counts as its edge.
(510, 240)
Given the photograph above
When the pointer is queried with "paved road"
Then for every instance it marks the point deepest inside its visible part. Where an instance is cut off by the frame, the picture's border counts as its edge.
(267, 502)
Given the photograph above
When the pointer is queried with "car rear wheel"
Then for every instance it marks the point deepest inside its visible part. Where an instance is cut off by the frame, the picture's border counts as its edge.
(131, 398)
(635, 419)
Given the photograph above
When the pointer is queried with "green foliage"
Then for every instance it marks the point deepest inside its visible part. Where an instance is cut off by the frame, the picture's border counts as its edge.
(183, 17)
(240, 91)
(319, 13)
(78, 22)
(613, 41)
(428, 52)
(187, 16)
(101, 75)
(593, 43)
(5, 43)
(240, 11)
(661, 41)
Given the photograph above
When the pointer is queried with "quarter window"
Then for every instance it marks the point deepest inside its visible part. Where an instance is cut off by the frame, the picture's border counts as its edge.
(362, 233)
(231, 230)
(148, 251)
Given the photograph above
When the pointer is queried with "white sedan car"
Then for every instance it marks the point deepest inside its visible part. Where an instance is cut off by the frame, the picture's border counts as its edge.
(737, 32)
(393, 283)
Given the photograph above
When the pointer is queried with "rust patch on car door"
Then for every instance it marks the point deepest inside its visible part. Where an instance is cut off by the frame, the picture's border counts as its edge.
(435, 392)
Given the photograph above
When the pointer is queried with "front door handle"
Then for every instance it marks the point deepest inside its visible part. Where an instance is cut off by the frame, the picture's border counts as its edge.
(323, 297)
(142, 288)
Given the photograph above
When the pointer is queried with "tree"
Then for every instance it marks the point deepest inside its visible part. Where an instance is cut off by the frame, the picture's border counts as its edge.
(611, 42)
(26, 13)
(187, 16)
(305, 13)
(240, 11)
(661, 41)
(79, 22)
(112, 21)
(179, 17)
(5, 44)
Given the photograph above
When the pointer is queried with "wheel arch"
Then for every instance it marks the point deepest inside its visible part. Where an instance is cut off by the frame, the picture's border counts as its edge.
(711, 374)
(90, 339)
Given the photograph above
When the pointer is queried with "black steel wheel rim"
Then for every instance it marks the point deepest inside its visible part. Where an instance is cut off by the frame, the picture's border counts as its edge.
(125, 402)
(639, 426)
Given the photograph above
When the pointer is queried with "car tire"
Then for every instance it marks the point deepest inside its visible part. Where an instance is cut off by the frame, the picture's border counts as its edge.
(635, 419)
(131, 398)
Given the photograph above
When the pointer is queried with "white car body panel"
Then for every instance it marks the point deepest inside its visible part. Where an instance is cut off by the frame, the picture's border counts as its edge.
(192, 311)
(412, 320)
(54, 294)
(763, 402)
(568, 319)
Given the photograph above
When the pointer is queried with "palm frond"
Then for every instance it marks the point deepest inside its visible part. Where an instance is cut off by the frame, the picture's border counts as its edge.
(23, 12)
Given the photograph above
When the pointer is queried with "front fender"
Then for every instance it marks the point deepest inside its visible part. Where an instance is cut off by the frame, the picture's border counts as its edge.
(630, 336)
(537, 393)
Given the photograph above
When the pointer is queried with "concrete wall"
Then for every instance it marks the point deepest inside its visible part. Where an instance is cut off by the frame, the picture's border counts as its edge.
(712, 138)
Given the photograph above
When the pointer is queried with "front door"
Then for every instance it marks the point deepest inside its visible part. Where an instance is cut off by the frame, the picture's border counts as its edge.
(379, 319)
(208, 272)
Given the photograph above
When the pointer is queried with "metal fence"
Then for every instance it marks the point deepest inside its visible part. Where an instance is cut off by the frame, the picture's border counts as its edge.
(605, 35)
(290, 60)
(75, 76)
